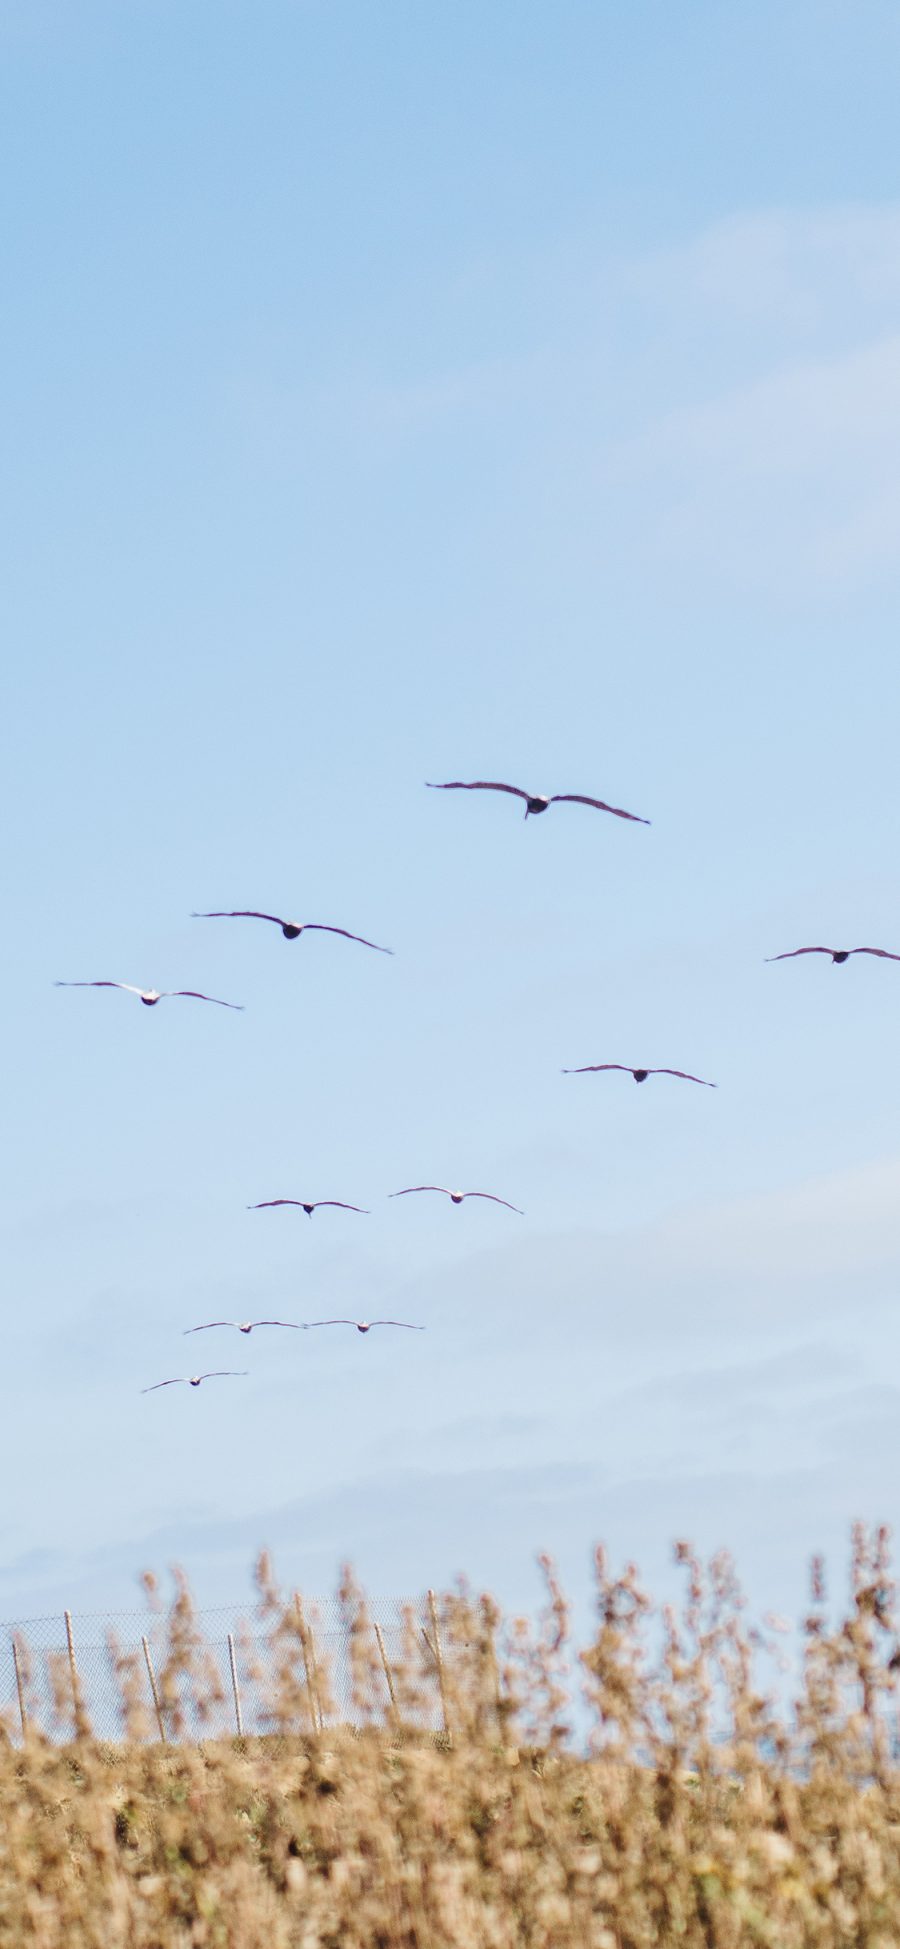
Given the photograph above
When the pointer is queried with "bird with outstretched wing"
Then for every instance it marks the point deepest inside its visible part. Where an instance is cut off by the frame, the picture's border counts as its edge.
(243, 1326)
(193, 1380)
(150, 996)
(291, 929)
(838, 954)
(456, 1197)
(365, 1326)
(535, 802)
(640, 1075)
(269, 1204)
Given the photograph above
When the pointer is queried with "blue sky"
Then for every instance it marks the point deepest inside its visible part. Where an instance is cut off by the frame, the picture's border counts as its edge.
(411, 393)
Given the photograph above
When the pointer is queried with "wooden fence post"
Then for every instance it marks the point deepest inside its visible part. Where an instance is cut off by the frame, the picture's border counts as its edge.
(387, 1670)
(20, 1688)
(77, 1701)
(148, 1661)
(438, 1657)
(309, 1666)
(234, 1686)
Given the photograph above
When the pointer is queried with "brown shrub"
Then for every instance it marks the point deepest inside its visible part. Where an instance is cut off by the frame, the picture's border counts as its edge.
(643, 1790)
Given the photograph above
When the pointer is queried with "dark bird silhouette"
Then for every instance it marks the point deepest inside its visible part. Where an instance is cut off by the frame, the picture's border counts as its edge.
(456, 1197)
(365, 1326)
(243, 1326)
(150, 996)
(535, 802)
(838, 954)
(640, 1075)
(292, 929)
(268, 1204)
(193, 1380)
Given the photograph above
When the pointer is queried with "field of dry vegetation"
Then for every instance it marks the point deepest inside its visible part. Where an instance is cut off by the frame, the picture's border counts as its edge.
(643, 1789)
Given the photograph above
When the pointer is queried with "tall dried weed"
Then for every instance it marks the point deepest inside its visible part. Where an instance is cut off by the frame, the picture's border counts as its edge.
(647, 1789)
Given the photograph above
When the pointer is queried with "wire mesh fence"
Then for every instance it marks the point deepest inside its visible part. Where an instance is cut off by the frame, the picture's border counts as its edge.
(112, 1672)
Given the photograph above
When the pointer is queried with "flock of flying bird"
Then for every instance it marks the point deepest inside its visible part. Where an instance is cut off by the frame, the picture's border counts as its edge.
(535, 803)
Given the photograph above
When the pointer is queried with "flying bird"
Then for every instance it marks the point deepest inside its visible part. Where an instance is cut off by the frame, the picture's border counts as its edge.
(640, 1075)
(150, 996)
(365, 1326)
(535, 802)
(838, 954)
(243, 1326)
(193, 1380)
(292, 929)
(456, 1197)
(268, 1203)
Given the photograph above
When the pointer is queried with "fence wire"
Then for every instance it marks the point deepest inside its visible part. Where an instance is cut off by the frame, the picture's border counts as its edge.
(61, 1671)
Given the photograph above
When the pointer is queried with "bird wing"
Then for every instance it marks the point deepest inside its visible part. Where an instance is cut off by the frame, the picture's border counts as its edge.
(336, 1203)
(239, 913)
(578, 798)
(100, 984)
(172, 1383)
(267, 1204)
(299, 1325)
(406, 1323)
(685, 1076)
(586, 1068)
(321, 927)
(418, 1187)
(309, 1323)
(477, 785)
(883, 953)
(792, 955)
(208, 1323)
(494, 1201)
(225, 1374)
(195, 995)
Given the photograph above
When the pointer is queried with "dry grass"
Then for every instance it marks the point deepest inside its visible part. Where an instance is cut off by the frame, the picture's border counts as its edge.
(693, 1810)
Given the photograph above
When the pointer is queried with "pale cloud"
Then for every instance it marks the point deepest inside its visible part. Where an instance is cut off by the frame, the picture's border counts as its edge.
(798, 270)
(741, 1336)
(406, 1530)
(768, 1262)
(792, 423)
(791, 481)
(728, 405)
(772, 462)
(793, 1371)
(828, 1227)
